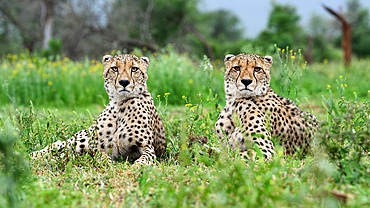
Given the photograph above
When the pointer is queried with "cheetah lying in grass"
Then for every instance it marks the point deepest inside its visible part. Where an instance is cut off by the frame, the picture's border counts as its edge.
(129, 127)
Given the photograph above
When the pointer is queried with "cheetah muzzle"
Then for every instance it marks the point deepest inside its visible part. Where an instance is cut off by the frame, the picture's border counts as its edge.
(129, 127)
(250, 97)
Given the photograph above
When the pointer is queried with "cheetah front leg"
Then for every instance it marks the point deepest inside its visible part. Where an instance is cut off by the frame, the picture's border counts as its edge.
(244, 140)
(224, 125)
(148, 156)
(253, 128)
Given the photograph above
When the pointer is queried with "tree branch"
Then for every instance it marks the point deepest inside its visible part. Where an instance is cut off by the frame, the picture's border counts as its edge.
(204, 41)
(18, 24)
(346, 34)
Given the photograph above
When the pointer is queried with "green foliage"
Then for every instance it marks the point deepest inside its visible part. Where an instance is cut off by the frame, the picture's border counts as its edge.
(54, 51)
(222, 30)
(169, 70)
(60, 83)
(322, 39)
(291, 67)
(318, 76)
(345, 135)
(283, 28)
(13, 169)
(359, 18)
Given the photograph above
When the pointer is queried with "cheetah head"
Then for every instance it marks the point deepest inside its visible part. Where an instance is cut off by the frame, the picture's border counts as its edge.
(125, 76)
(246, 75)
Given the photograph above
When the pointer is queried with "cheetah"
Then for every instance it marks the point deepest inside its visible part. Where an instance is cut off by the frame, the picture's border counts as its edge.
(129, 127)
(259, 111)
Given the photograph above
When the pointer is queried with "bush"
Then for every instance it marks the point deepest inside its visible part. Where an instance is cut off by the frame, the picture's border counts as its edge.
(13, 168)
(345, 136)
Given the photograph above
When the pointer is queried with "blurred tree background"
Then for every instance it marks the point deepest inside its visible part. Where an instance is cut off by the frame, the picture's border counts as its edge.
(90, 28)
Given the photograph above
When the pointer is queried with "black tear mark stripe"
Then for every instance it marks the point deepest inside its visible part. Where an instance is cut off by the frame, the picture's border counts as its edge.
(133, 80)
(239, 72)
(117, 73)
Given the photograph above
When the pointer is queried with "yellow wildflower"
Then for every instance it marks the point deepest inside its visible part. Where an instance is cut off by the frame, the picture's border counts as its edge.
(188, 105)
(183, 97)
(166, 94)
(293, 57)
(341, 85)
(207, 132)
(345, 85)
(275, 45)
(341, 76)
(283, 50)
(303, 65)
(192, 109)
(279, 49)
(158, 95)
(191, 81)
(50, 83)
(291, 51)
(354, 93)
(194, 106)
(328, 86)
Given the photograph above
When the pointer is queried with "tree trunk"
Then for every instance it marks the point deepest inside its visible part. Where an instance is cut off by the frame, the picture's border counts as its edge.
(47, 20)
(346, 35)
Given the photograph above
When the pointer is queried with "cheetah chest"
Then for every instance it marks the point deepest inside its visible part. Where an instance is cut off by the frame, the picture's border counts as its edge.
(133, 129)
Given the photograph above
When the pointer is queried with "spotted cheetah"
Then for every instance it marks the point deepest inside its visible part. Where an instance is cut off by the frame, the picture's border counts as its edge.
(129, 127)
(260, 112)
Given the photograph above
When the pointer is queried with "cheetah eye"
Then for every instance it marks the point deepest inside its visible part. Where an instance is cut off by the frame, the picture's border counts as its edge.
(114, 68)
(257, 69)
(236, 68)
(134, 69)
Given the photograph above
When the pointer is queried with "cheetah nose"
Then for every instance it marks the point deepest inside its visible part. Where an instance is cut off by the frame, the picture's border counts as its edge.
(246, 82)
(124, 83)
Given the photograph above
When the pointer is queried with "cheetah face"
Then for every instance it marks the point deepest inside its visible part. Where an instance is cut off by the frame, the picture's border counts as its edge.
(246, 75)
(125, 76)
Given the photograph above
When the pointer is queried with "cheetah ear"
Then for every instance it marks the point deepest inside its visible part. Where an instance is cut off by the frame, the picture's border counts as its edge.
(228, 57)
(106, 58)
(145, 59)
(268, 60)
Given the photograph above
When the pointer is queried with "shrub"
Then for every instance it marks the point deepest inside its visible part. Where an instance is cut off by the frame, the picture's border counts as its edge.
(345, 135)
(13, 168)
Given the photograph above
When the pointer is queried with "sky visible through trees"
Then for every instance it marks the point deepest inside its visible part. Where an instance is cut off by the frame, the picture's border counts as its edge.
(82, 28)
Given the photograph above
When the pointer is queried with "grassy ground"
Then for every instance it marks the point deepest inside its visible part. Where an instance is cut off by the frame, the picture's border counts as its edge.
(198, 170)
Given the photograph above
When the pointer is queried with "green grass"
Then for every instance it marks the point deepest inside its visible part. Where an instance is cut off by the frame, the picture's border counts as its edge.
(199, 176)
(205, 174)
